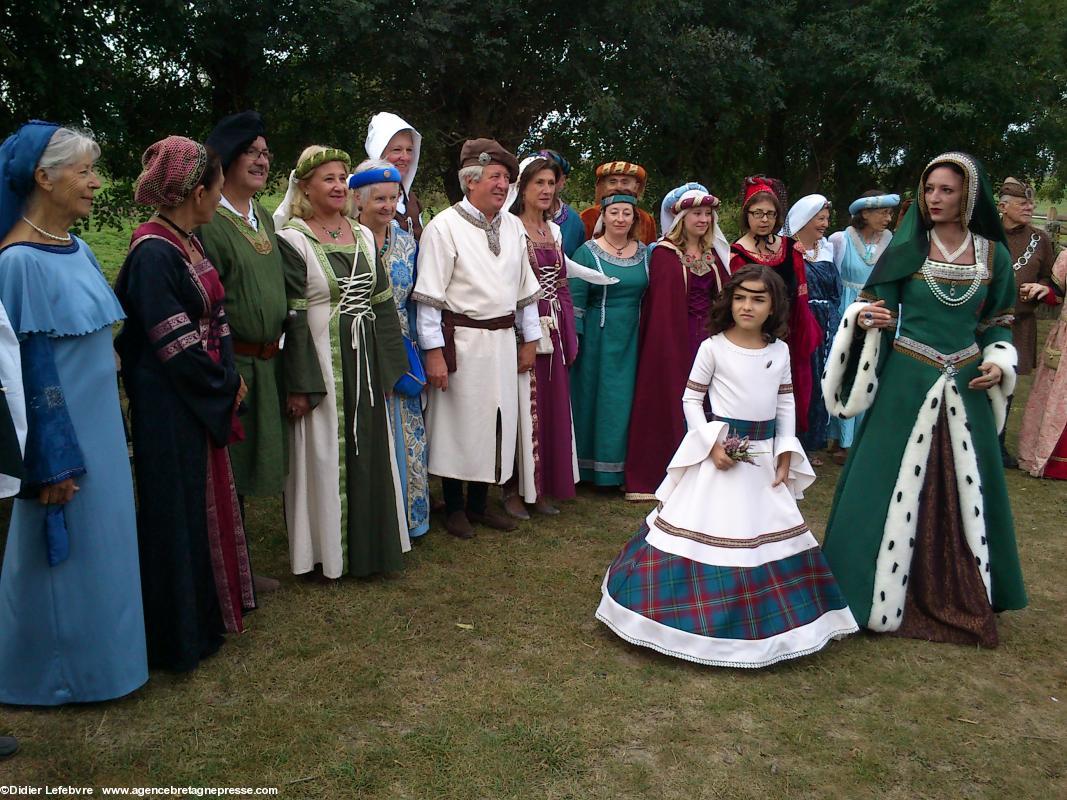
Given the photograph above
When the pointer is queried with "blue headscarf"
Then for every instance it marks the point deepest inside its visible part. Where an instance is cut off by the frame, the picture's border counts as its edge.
(19, 155)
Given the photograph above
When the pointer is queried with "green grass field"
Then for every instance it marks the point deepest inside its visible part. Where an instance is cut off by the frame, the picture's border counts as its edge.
(479, 672)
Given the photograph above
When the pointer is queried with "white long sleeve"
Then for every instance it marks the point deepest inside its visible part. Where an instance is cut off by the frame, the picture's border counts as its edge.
(528, 321)
(696, 388)
(785, 419)
(428, 323)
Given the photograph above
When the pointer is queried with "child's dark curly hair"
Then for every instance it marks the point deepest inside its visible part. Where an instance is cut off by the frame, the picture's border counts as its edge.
(721, 317)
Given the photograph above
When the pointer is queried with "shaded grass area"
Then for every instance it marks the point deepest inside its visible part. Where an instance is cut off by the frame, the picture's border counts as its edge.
(371, 689)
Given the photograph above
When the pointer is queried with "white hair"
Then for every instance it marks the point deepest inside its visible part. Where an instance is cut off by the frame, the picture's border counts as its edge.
(363, 192)
(469, 175)
(68, 146)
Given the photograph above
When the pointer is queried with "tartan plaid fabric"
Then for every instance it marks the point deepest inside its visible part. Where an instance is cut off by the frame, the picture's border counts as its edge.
(755, 430)
(723, 602)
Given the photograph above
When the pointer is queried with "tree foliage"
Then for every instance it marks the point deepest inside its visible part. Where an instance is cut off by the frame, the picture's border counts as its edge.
(836, 96)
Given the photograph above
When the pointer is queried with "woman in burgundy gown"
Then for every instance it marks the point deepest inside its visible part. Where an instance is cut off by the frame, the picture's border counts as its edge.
(688, 268)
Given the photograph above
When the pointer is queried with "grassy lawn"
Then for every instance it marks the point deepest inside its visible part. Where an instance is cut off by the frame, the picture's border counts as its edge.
(479, 672)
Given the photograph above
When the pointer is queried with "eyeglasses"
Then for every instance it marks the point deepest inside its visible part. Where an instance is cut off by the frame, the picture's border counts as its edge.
(254, 153)
(763, 214)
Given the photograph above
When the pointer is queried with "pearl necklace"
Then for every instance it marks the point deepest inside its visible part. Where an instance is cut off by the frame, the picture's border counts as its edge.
(64, 239)
(975, 273)
(951, 257)
(1021, 261)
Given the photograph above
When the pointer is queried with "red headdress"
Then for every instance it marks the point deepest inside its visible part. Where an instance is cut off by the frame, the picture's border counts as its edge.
(754, 184)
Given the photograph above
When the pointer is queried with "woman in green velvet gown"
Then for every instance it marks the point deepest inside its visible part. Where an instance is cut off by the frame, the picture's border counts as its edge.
(920, 536)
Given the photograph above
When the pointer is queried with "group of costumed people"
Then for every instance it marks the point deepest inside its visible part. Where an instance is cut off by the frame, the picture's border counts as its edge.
(343, 349)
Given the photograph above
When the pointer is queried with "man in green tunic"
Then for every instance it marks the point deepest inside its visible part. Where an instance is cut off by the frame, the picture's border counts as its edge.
(241, 243)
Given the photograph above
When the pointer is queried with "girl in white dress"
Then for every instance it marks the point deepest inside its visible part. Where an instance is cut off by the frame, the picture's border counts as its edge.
(725, 571)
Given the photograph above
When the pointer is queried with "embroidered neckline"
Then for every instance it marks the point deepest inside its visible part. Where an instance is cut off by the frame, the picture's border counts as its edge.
(637, 258)
(259, 239)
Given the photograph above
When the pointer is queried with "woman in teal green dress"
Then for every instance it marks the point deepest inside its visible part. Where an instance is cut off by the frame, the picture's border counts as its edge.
(606, 317)
(920, 536)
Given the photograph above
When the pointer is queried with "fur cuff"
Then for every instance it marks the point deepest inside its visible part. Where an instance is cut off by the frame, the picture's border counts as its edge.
(865, 382)
(1003, 355)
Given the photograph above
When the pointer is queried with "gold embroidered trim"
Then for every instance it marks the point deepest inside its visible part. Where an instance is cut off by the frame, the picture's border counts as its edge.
(785, 388)
(696, 387)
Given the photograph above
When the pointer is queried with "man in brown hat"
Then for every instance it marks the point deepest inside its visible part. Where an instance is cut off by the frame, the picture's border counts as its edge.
(474, 288)
(1032, 255)
(615, 177)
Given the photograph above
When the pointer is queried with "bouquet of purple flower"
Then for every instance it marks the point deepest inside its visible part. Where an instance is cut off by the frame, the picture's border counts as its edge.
(737, 448)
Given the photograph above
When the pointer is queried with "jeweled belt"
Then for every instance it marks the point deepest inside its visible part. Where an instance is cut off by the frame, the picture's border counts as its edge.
(755, 430)
(950, 363)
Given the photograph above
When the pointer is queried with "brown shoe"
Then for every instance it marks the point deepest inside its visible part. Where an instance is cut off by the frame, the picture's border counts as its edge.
(459, 526)
(492, 519)
(515, 507)
(263, 584)
(546, 508)
(840, 457)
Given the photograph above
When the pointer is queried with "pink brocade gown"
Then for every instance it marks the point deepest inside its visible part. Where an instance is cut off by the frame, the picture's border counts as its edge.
(554, 451)
(1043, 433)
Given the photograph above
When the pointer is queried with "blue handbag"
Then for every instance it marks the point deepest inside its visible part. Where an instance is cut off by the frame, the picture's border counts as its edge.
(411, 382)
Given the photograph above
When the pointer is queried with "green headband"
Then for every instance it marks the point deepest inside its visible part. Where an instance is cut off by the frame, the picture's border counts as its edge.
(312, 162)
(618, 198)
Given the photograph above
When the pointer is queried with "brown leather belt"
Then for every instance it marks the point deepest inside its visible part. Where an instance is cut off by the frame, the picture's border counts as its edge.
(265, 351)
(450, 320)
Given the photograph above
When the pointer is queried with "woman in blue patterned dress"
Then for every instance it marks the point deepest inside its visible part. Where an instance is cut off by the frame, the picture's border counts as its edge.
(378, 187)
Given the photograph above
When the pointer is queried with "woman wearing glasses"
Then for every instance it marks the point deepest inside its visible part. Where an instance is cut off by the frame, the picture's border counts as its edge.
(762, 213)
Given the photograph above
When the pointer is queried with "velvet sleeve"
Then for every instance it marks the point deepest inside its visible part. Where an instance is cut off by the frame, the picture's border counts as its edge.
(160, 297)
(300, 362)
(997, 314)
(52, 452)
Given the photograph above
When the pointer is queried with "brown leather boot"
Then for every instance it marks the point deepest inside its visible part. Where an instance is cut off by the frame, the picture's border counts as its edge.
(492, 519)
(459, 526)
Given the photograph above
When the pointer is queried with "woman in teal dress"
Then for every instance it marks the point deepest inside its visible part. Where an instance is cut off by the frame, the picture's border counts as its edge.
(71, 623)
(606, 320)
(920, 536)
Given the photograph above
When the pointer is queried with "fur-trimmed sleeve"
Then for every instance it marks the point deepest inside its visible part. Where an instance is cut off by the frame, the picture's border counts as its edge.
(994, 333)
(850, 380)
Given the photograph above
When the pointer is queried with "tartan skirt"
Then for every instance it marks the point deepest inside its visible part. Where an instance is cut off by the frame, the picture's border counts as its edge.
(727, 616)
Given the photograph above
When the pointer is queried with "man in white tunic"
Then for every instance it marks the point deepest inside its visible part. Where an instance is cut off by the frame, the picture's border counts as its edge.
(475, 287)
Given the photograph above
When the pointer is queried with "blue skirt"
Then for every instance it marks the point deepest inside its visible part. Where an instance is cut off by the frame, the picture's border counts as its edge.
(74, 633)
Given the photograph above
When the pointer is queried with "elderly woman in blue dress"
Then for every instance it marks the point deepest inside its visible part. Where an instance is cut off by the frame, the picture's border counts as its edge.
(378, 185)
(71, 622)
(855, 251)
(806, 223)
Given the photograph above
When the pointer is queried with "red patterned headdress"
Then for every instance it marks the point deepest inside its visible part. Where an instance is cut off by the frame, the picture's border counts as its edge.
(172, 167)
(754, 184)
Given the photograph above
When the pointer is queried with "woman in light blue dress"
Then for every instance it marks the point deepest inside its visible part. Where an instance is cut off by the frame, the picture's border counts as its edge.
(71, 620)
(856, 249)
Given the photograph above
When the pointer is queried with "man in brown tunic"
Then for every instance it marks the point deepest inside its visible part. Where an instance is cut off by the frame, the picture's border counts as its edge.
(1032, 255)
